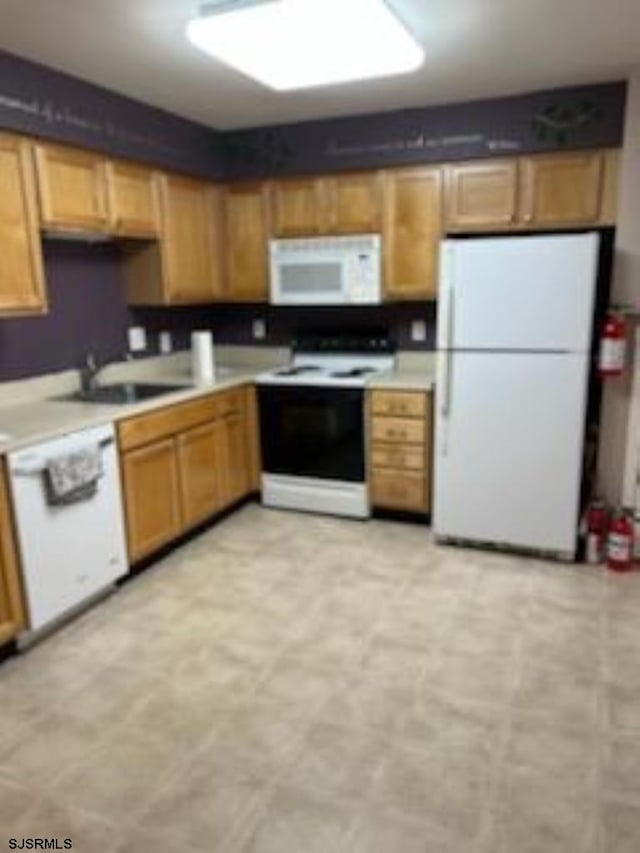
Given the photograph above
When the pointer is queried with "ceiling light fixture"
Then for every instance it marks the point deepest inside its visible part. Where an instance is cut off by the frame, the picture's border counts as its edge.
(299, 44)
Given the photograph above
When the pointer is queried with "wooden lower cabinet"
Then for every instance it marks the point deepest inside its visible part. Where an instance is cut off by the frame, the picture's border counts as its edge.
(152, 498)
(234, 457)
(183, 464)
(199, 463)
(12, 616)
(400, 450)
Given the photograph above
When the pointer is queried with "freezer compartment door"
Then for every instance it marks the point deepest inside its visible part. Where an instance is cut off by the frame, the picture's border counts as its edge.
(508, 448)
(518, 293)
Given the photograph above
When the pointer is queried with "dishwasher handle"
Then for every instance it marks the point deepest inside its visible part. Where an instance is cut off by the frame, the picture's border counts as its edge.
(40, 467)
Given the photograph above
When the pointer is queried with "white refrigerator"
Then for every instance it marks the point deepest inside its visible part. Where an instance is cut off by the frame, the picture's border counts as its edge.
(514, 338)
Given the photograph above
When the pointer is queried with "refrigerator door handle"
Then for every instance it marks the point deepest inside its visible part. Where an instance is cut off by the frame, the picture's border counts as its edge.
(446, 377)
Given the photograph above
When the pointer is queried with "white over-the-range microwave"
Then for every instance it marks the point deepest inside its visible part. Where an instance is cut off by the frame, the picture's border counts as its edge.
(326, 270)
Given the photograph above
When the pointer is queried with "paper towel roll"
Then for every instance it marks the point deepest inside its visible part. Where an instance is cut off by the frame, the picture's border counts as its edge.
(203, 365)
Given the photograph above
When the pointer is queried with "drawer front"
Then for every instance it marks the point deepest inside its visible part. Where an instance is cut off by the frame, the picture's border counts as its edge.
(398, 456)
(402, 490)
(406, 404)
(399, 430)
(143, 429)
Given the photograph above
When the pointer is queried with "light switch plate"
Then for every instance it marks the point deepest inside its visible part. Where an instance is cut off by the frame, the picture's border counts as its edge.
(418, 331)
(137, 338)
(165, 343)
(259, 329)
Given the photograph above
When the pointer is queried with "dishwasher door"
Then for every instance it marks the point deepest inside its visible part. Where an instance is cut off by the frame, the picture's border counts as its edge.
(71, 552)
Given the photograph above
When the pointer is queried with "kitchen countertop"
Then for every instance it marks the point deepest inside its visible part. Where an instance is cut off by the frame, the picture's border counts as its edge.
(29, 423)
(403, 380)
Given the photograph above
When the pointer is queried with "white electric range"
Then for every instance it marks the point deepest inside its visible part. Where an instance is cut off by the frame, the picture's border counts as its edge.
(312, 424)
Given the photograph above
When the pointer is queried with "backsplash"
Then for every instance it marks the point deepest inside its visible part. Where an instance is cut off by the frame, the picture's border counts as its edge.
(232, 324)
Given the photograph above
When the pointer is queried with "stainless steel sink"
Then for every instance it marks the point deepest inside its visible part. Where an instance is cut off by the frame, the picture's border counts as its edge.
(120, 393)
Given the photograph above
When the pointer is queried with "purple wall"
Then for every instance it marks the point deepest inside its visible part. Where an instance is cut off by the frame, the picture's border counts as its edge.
(37, 100)
(579, 117)
(87, 313)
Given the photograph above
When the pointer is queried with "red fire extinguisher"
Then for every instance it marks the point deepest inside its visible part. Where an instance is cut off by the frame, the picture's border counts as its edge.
(620, 543)
(596, 531)
(613, 344)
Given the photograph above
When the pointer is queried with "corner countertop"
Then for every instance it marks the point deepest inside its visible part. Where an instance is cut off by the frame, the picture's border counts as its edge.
(28, 420)
(403, 380)
(29, 423)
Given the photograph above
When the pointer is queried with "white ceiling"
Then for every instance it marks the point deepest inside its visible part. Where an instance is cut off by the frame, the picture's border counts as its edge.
(475, 48)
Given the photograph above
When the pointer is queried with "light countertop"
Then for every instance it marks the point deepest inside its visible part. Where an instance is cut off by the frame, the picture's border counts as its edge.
(25, 420)
(31, 422)
(403, 380)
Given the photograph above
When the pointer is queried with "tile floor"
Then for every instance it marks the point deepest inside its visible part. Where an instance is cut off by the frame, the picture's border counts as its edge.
(296, 684)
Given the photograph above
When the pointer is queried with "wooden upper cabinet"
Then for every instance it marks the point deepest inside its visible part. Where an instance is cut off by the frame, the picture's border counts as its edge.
(21, 270)
(152, 498)
(482, 194)
(353, 203)
(247, 241)
(298, 207)
(72, 187)
(191, 266)
(12, 617)
(132, 200)
(560, 189)
(412, 232)
(610, 187)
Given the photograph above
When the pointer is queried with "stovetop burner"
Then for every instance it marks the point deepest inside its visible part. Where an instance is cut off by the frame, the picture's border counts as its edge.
(354, 371)
(296, 371)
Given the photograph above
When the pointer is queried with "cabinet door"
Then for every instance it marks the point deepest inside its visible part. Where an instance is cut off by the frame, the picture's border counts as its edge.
(152, 499)
(298, 207)
(253, 438)
(354, 203)
(412, 232)
(199, 466)
(191, 272)
(237, 457)
(11, 604)
(561, 189)
(21, 275)
(72, 189)
(133, 200)
(245, 217)
(482, 194)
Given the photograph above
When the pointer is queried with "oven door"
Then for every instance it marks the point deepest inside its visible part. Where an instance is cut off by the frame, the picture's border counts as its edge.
(313, 432)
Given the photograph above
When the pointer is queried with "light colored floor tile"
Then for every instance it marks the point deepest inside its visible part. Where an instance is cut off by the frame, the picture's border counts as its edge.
(338, 760)
(211, 801)
(554, 693)
(555, 747)
(533, 813)
(297, 821)
(290, 682)
(51, 818)
(620, 827)
(621, 767)
(384, 831)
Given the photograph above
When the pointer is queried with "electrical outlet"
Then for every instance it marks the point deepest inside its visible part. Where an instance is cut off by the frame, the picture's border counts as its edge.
(259, 329)
(165, 343)
(137, 336)
(418, 331)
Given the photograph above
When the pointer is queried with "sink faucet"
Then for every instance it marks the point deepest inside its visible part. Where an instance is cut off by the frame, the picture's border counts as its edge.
(89, 371)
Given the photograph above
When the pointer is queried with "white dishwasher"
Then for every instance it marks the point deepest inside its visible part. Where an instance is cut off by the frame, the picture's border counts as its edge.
(71, 552)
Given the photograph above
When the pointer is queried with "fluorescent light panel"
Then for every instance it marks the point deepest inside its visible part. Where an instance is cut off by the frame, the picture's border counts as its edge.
(298, 44)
